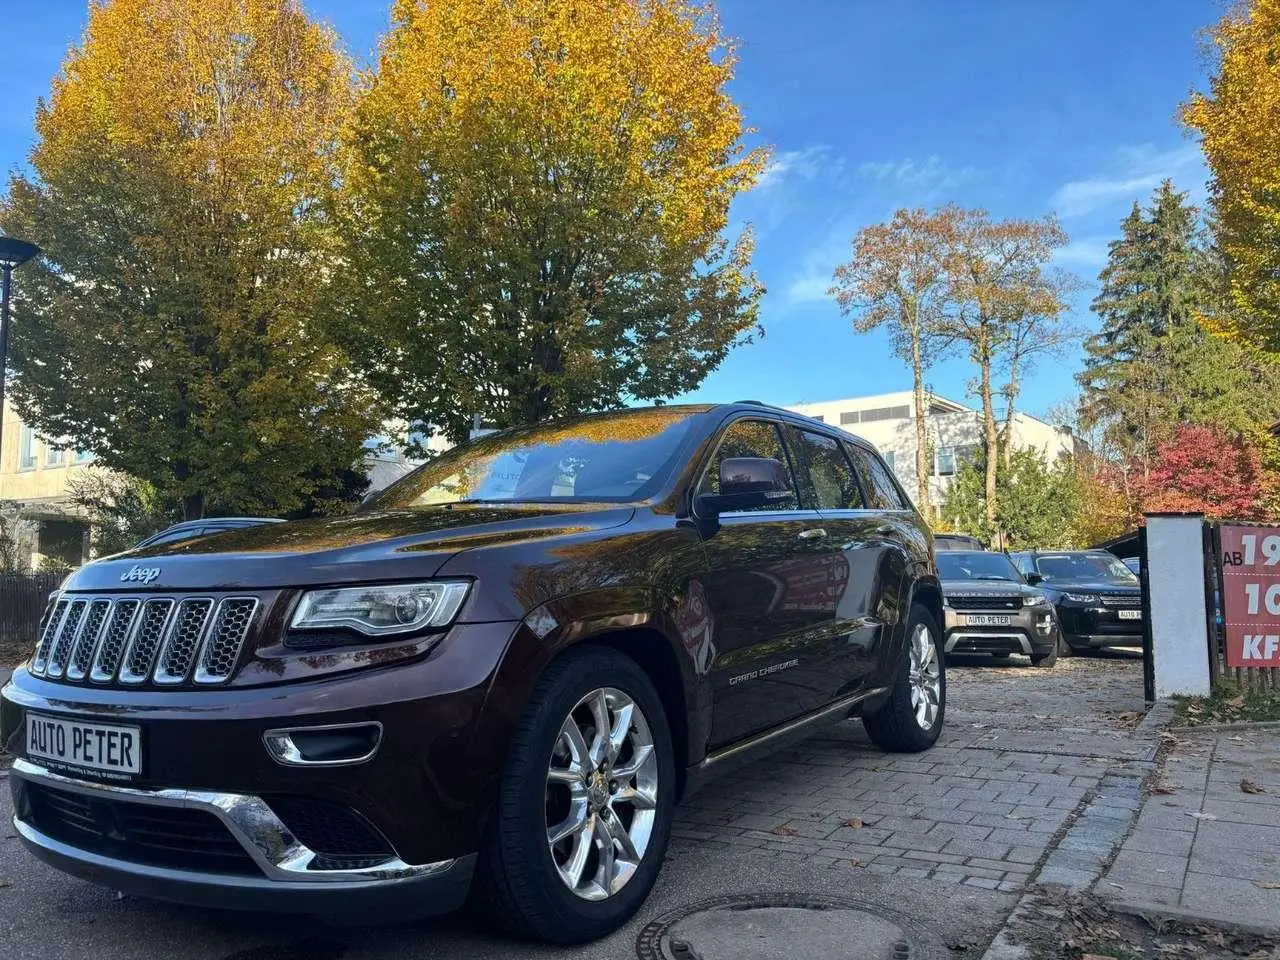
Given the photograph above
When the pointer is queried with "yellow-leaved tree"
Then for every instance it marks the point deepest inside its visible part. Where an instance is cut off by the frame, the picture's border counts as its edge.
(1239, 124)
(536, 199)
(180, 175)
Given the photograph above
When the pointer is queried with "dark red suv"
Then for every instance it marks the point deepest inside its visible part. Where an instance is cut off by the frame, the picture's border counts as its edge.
(495, 679)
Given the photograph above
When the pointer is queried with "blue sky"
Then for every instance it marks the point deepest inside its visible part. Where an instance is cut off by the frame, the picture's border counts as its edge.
(1019, 106)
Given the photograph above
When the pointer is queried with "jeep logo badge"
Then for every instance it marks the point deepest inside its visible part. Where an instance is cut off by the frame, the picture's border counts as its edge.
(139, 574)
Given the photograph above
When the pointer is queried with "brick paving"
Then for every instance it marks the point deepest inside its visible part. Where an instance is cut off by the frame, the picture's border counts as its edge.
(1023, 751)
(1204, 846)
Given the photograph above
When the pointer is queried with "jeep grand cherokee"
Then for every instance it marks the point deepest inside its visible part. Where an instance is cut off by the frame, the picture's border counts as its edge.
(494, 679)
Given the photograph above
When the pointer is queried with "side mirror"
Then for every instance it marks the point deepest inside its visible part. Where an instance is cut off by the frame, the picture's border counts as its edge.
(746, 483)
(1034, 579)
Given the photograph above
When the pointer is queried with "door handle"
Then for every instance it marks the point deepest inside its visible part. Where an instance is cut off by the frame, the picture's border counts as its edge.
(813, 533)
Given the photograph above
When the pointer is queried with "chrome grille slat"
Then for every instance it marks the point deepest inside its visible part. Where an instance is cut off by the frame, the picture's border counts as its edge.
(182, 641)
(225, 639)
(67, 633)
(90, 631)
(114, 637)
(147, 636)
(134, 639)
(49, 630)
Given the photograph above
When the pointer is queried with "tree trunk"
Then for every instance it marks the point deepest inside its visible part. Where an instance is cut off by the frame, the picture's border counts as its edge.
(922, 451)
(1011, 393)
(990, 435)
(193, 506)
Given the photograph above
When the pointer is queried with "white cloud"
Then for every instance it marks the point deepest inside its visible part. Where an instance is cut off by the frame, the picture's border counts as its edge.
(808, 287)
(1136, 172)
(1084, 252)
(931, 174)
(811, 163)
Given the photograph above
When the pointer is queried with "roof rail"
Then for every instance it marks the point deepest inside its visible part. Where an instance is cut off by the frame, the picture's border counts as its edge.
(754, 403)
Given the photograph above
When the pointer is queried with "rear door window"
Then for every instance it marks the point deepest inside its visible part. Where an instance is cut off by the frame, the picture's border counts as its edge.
(822, 463)
(882, 492)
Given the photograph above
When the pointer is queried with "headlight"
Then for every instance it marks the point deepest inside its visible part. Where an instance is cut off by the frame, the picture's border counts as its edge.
(1081, 597)
(377, 611)
(1037, 601)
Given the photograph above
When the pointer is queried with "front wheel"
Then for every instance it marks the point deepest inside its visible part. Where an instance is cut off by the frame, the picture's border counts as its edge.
(911, 719)
(585, 804)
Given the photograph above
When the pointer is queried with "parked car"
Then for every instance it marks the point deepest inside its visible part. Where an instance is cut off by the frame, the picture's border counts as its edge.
(499, 675)
(956, 541)
(989, 608)
(1097, 597)
(190, 529)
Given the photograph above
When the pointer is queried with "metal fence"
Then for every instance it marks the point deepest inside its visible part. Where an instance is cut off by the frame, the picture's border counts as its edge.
(22, 601)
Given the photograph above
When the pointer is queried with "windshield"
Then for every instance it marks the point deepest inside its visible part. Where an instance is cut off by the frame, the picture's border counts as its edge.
(958, 565)
(1085, 566)
(611, 457)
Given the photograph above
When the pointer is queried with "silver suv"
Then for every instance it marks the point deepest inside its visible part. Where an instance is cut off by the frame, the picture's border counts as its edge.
(989, 608)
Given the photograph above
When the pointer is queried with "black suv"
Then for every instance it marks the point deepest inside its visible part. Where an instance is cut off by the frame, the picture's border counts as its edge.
(496, 677)
(1097, 597)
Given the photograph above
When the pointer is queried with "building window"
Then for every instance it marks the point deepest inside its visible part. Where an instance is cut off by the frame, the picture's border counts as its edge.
(886, 413)
(890, 460)
(849, 417)
(27, 449)
(84, 456)
(944, 462)
(52, 455)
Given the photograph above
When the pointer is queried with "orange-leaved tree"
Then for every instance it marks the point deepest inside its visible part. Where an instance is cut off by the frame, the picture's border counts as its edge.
(537, 202)
(897, 276)
(179, 176)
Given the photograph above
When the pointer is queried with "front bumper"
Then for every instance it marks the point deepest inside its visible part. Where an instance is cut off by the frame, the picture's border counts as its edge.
(292, 876)
(423, 793)
(1031, 631)
(1098, 626)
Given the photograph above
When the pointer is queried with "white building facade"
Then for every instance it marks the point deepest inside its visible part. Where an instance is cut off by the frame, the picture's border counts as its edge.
(954, 433)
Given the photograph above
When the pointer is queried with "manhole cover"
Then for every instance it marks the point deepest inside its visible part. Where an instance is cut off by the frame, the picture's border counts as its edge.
(783, 927)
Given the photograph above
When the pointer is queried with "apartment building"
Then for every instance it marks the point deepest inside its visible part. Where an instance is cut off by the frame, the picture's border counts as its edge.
(954, 433)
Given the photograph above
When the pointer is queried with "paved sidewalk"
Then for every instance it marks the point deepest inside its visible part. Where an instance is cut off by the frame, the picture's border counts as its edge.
(1204, 843)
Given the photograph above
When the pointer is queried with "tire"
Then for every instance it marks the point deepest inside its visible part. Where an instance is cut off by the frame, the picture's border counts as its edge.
(1065, 649)
(1046, 659)
(522, 881)
(896, 727)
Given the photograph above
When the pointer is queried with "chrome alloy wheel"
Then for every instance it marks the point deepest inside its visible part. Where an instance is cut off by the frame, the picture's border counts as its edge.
(925, 677)
(602, 794)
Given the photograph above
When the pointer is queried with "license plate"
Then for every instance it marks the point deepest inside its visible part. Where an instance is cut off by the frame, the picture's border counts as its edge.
(987, 620)
(91, 746)
(1129, 614)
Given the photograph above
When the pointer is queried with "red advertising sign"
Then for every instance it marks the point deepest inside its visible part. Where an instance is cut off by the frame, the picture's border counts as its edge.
(1251, 595)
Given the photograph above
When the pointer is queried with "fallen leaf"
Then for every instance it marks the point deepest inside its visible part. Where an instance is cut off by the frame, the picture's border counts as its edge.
(784, 831)
(854, 822)
(857, 863)
(1248, 786)
(1161, 789)
(5, 883)
(1201, 816)
(1267, 884)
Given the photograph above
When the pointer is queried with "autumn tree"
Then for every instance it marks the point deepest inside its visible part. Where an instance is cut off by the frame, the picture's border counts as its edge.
(537, 196)
(897, 278)
(173, 328)
(1199, 469)
(1005, 296)
(1237, 120)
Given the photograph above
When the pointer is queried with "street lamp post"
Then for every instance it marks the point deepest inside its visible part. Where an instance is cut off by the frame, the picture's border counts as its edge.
(13, 253)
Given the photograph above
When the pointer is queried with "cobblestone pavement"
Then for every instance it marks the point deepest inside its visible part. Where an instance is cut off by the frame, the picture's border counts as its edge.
(1022, 749)
(965, 823)
(1208, 841)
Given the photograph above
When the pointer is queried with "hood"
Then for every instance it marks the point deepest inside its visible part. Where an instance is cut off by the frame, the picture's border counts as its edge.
(986, 588)
(359, 547)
